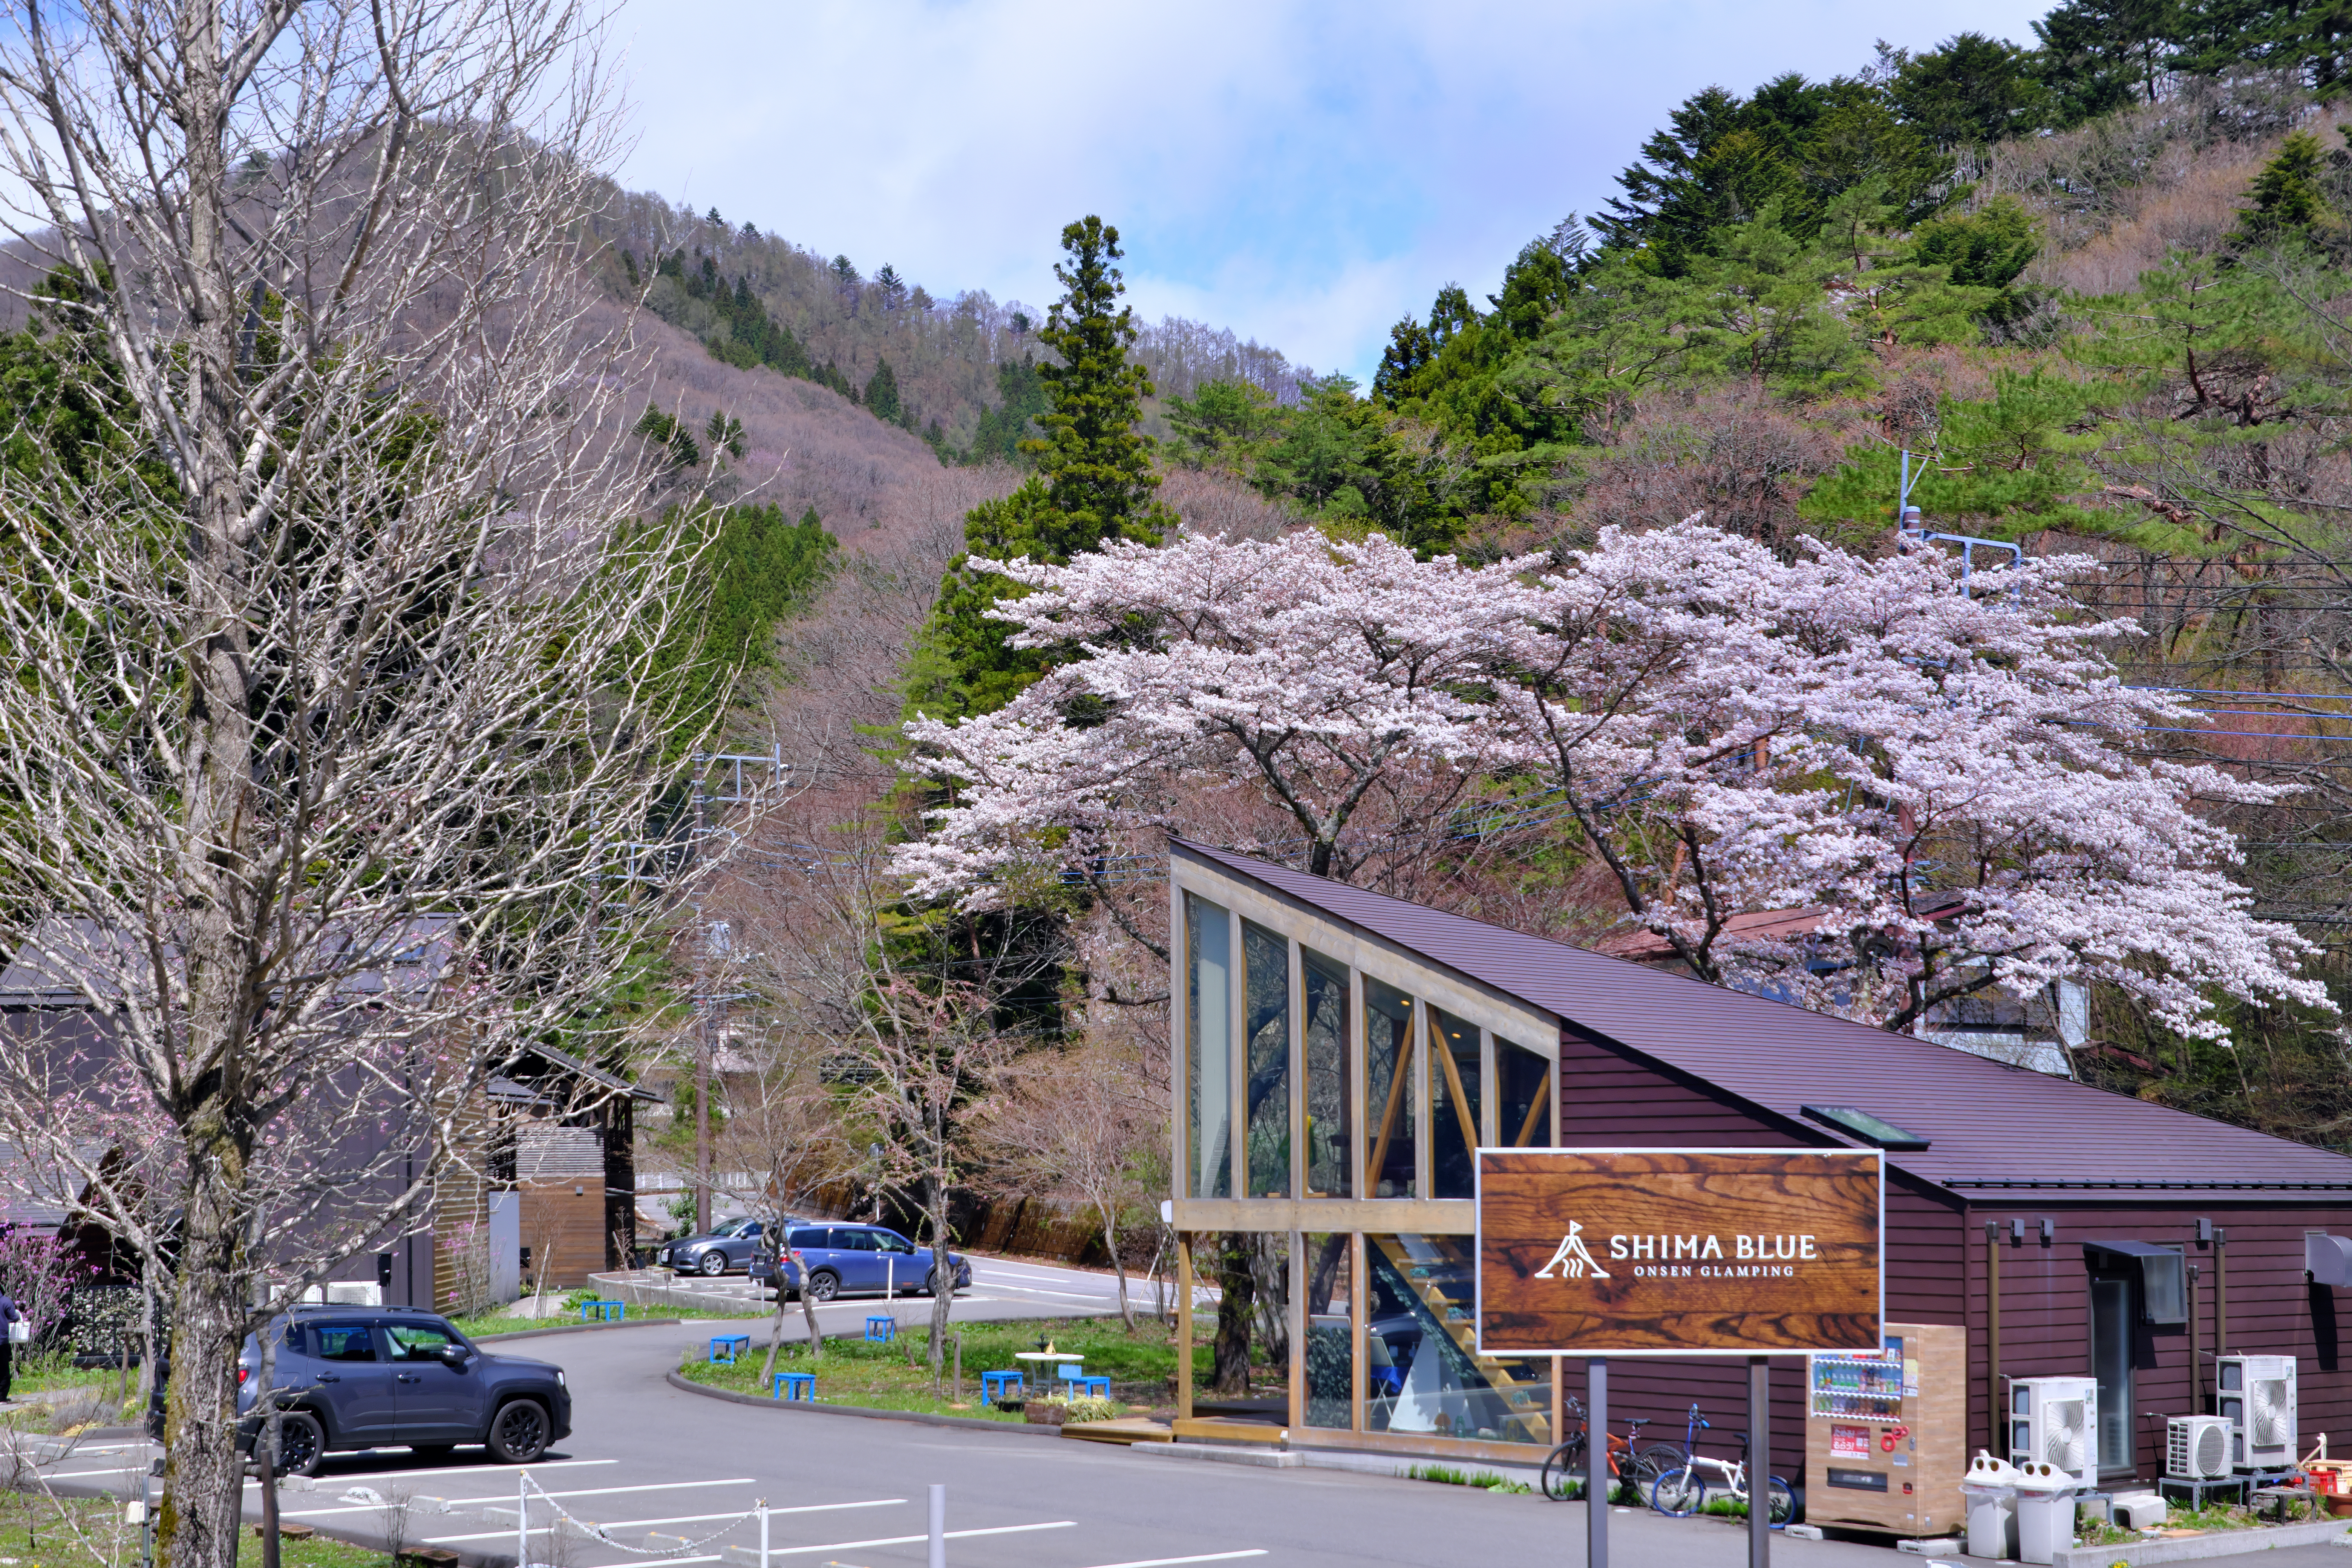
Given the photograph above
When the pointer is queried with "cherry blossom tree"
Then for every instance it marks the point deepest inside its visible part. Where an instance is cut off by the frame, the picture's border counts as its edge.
(1949, 783)
(1334, 682)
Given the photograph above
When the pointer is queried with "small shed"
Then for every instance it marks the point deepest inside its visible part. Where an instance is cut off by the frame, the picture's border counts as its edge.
(1339, 1054)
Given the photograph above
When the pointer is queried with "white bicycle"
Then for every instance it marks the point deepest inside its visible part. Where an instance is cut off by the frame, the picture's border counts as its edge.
(1682, 1492)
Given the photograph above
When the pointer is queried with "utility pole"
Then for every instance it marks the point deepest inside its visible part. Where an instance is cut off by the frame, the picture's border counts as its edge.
(702, 1068)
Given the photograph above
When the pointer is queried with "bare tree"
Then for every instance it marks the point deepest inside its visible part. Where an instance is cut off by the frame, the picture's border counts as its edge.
(1075, 1126)
(782, 1132)
(339, 650)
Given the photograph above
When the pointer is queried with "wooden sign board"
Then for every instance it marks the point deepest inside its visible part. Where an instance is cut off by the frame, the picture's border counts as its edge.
(1676, 1251)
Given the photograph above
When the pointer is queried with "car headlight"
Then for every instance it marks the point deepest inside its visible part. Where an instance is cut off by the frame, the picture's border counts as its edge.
(559, 1379)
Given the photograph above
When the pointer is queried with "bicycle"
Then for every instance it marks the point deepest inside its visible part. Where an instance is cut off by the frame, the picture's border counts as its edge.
(1564, 1466)
(1682, 1492)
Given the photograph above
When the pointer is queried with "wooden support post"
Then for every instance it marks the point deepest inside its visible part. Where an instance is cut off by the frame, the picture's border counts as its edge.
(1184, 1326)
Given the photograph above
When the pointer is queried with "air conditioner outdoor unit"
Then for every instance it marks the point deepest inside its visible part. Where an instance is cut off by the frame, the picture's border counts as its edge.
(2198, 1447)
(2256, 1394)
(2055, 1421)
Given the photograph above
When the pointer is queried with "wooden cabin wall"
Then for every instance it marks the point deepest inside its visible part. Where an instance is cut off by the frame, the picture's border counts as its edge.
(2273, 1309)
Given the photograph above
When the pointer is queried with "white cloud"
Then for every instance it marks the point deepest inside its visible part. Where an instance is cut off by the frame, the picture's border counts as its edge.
(1302, 173)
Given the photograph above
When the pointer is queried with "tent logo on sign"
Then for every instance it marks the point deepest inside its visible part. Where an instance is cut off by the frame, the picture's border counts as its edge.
(1573, 1261)
(1666, 1257)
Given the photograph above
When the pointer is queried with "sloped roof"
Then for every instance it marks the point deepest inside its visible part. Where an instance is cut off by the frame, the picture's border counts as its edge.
(65, 963)
(1990, 1125)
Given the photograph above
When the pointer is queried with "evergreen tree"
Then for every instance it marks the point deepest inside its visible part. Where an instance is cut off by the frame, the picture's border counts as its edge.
(1095, 464)
(2290, 201)
(882, 393)
(1020, 399)
(1094, 481)
(1969, 89)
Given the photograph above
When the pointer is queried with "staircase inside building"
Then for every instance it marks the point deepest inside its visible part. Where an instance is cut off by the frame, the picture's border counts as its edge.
(1432, 1274)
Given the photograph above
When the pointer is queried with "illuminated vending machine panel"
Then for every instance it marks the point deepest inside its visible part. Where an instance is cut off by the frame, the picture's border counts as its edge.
(1885, 1440)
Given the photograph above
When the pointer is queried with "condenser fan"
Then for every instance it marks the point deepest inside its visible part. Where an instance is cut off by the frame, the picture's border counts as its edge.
(2272, 1419)
(2065, 1441)
(2212, 1450)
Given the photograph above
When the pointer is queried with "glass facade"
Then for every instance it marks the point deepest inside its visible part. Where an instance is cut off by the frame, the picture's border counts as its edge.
(1329, 1050)
(1265, 966)
(1422, 1369)
(1455, 1088)
(1209, 1057)
(1524, 1081)
(1330, 1332)
(1390, 1155)
(1307, 1077)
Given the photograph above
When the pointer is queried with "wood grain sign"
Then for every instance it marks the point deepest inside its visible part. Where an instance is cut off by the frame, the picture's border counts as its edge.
(1662, 1251)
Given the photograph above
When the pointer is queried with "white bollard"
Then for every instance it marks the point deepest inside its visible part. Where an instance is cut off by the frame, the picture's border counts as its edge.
(522, 1519)
(764, 1532)
(938, 1558)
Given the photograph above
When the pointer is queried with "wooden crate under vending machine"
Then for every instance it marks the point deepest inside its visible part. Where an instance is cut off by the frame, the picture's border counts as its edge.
(1886, 1435)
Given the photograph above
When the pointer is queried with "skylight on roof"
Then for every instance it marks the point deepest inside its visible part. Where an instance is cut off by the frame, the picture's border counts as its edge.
(1872, 1129)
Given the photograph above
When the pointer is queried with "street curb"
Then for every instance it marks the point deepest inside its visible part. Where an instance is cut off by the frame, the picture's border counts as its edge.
(2191, 1549)
(920, 1417)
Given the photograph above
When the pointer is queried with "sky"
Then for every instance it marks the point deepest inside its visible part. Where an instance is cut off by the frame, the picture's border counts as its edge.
(1303, 173)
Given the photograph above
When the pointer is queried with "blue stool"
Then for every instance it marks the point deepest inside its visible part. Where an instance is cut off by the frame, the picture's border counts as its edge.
(996, 1387)
(730, 1344)
(881, 1330)
(605, 1311)
(792, 1385)
(1096, 1386)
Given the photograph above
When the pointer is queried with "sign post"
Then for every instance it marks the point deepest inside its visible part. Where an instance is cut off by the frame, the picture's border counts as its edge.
(1605, 1253)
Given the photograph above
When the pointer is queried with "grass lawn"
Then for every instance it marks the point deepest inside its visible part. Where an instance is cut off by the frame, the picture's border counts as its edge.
(1142, 1365)
(39, 1532)
(485, 1324)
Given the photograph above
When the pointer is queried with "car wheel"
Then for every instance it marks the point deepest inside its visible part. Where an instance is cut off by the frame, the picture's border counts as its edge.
(932, 1283)
(301, 1444)
(713, 1264)
(824, 1284)
(519, 1432)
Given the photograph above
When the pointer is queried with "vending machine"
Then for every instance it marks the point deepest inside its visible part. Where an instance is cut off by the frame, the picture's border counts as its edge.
(1886, 1435)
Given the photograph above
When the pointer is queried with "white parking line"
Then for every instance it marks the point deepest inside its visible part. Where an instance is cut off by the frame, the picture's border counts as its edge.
(854, 1545)
(460, 1472)
(509, 1497)
(674, 1518)
(85, 1475)
(1169, 1562)
(609, 1491)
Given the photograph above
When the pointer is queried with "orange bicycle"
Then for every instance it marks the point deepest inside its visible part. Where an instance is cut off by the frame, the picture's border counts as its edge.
(1631, 1467)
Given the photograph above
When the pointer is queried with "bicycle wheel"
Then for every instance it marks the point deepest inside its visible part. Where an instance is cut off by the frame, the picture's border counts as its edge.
(1657, 1459)
(1563, 1466)
(1783, 1506)
(1679, 1493)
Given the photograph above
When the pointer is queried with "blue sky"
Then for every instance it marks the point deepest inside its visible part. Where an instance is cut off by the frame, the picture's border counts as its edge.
(1304, 174)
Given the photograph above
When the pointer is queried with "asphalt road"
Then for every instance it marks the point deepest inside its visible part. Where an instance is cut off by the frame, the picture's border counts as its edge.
(846, 1491)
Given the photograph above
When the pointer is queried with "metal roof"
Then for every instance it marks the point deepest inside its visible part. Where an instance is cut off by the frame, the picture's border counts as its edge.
(1991, 1126)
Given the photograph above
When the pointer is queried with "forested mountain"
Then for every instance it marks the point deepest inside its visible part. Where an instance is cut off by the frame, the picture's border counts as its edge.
(958, 369)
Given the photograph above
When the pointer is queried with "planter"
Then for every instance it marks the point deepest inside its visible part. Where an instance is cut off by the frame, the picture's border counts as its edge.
(2340, 1506)
(1046, 1415)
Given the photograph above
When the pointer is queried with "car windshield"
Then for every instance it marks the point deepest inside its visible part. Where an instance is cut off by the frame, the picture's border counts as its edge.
(731, 1227)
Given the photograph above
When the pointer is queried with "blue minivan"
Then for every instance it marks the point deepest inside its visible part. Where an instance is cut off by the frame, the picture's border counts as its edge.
(854, 1260)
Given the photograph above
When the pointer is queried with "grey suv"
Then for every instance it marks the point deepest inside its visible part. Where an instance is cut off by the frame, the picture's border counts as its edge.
(358, 1377)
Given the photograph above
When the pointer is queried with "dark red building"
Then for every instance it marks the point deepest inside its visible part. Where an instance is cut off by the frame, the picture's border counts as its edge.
(1339, 1052)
